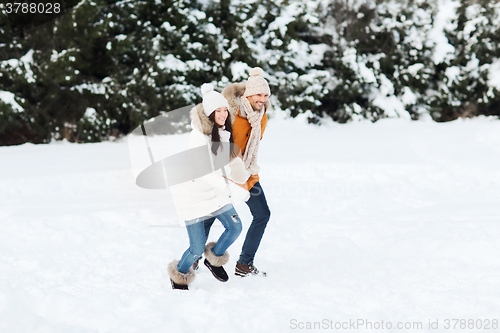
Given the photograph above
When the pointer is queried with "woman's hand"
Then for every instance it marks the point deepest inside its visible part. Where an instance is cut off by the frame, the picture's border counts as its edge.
(238, 172)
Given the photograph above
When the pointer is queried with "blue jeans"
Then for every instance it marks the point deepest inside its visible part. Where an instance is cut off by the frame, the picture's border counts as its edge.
(261, 214)
(198, 236)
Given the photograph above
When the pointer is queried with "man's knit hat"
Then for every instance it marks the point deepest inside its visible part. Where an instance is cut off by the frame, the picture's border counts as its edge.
(256, 84)
(212, 100)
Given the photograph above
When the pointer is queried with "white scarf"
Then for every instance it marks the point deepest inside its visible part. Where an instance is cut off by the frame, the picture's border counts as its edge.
(224, 135)
(254, 118)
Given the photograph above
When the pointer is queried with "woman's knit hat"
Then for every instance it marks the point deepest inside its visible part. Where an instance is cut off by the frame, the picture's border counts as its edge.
(256, 84)
(212, 100)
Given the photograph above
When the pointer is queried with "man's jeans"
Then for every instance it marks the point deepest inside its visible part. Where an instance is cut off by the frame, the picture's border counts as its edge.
(198, 236)
(261, 214)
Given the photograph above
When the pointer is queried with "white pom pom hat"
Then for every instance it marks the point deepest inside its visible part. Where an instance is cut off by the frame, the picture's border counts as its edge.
(212, 100)
(256, 84)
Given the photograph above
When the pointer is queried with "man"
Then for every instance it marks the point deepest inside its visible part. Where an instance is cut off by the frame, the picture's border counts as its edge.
(248, 103)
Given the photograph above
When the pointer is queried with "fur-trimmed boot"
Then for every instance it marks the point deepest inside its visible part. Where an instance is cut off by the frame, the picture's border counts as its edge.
(180, 280)
(214, 263)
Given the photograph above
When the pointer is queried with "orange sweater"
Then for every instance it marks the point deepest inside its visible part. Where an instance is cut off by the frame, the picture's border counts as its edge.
(241, 133)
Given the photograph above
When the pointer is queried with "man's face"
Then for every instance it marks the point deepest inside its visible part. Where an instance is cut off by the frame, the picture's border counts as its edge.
(257, 101)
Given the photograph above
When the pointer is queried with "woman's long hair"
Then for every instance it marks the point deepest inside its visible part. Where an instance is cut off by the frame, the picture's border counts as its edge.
(216, 137)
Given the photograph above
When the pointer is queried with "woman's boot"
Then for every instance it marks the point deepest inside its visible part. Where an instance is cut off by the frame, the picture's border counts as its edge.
(180, 280)
(214, 263)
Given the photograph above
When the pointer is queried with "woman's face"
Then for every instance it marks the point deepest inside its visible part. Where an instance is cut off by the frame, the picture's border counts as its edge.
(221, 116)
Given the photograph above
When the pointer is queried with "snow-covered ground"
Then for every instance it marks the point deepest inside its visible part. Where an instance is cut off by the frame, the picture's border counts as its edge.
(388, 224)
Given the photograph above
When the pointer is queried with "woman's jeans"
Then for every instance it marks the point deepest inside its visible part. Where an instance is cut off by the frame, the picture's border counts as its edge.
(261, 215)
(198, 236)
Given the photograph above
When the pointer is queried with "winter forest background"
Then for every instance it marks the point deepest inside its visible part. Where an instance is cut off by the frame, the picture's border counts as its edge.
(101, 68)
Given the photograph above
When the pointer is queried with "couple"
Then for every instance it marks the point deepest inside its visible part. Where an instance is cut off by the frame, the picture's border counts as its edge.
(228, 123)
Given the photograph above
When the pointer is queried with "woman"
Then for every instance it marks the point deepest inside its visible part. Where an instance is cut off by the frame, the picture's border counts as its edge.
(206, 198)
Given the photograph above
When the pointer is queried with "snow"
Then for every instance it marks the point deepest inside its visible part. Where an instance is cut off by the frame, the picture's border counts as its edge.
(95, 88)
(170, 62)
(239, 70)
(395, 221)
(384, 98)
(303, 55)
(281, 23)
(166, 25)
(90, 115)
(413, 69)
(408, 97)
(475, 19)
(452, 73)
(443, 51)
(351, 58)
(26, 61)
(472, 67)
(55, 56)
(196, 15)
(9, 98)
(494, 74)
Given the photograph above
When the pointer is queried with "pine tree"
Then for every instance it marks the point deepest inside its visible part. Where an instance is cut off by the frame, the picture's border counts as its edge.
(280, 38)
(104, 67)
(379, 59)
(476, 38)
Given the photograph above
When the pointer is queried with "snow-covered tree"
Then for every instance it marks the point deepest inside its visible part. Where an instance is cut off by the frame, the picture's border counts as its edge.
(469, 87)
(379, 59)
(100, 68)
